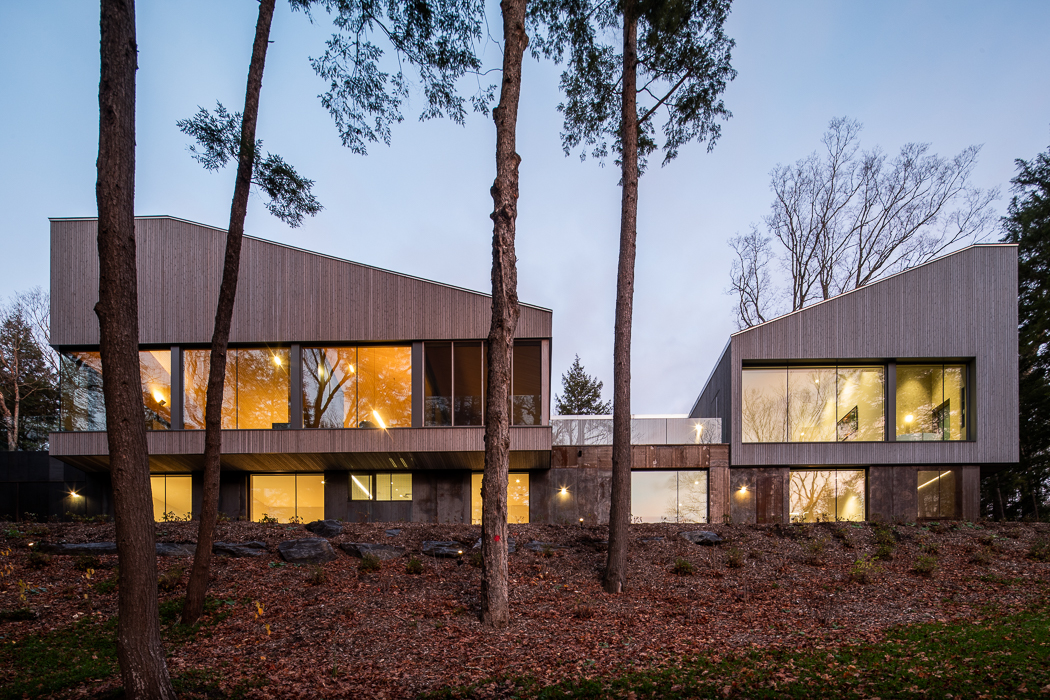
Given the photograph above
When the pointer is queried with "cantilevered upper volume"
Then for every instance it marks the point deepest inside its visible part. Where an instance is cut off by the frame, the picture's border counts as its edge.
(917, 371)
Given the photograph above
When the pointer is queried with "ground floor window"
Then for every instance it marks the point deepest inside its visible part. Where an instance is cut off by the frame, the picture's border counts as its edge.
(825, 495)
(937, 493)
(381, 487)
(287, 497)
(172, 497)
(517, 498)
(669, 496)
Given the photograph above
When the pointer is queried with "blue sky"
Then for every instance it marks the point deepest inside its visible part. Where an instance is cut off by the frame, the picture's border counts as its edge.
(948, 73)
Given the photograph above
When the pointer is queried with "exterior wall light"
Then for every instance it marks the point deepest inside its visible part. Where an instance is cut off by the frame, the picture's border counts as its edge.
(743, 489)
(74, 494)
(564, 491)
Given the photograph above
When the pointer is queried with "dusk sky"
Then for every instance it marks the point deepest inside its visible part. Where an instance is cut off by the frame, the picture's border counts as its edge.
(948, 73)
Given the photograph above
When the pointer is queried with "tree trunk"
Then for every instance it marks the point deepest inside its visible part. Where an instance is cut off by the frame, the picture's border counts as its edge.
(198, 583)
(142, 666)
(495, 607)
(620, 510)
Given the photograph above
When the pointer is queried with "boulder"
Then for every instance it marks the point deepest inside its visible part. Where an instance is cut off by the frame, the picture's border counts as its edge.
(704, 537)
(543, 547)
(310, 550)
(393, 532)
(446, 550)
(240, 550)
(649, 540)
(326, 528)
(171, 549)
(77, 548)
(382, 552)
(512, 545)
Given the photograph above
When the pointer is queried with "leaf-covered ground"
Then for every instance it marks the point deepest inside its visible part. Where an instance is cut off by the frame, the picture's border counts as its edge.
(274, 630)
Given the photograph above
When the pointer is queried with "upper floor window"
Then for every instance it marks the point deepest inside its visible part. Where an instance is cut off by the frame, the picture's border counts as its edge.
(931, 402)
(80, 382)
(357, 387)
(453, 383)
(834, 403)
(256, 392)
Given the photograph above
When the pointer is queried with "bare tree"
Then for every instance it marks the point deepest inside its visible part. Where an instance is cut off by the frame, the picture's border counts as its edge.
(495, 583)
(28, 371)
(139, 649)
(846, 217)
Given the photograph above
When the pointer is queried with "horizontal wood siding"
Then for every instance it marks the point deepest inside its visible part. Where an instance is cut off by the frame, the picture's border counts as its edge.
(961, 306)
(284, 295)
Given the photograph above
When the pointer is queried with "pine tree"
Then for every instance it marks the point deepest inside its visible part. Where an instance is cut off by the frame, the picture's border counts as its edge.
(583, 394)
(1019, 491)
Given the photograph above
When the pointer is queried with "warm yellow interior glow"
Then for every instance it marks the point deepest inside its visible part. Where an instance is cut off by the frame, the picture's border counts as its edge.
(285, 496)
(361, 486)
(172, 494)
(517, 498)
(277, 360)
(379, 419)
(158, 397)
(909, 418)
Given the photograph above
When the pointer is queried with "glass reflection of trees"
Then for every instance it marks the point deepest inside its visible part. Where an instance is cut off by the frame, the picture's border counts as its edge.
(813, 404)
(931, 402)
(669, 496)
(936, 491)
(827, 495)
(256, 390)
(83, 406)
(357, 387)
(527, 383)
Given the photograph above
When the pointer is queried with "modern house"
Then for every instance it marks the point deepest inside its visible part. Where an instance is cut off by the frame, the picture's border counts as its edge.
(351, 392)
(358, 393)
(886, 401)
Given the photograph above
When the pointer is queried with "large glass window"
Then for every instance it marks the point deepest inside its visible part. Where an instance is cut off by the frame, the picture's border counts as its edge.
(813, 404)
(256, 391)
(330, 387)
(287, 497)
(83, 406)
(517, 498)
(437, 380)
(527, 387)
(669, 496)
(937, 494)
(826, 495)
(454, 380)
(931, 402)
(172, 497)
(384, 387)
(396, 486)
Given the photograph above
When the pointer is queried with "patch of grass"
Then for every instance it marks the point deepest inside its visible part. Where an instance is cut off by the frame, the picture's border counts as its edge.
(369, 562)
(682, 567)
(734, 558)
(1040, 550)
(1003, 660)
(316, 576)
(925, 565)
(414, 567)
(864, 570)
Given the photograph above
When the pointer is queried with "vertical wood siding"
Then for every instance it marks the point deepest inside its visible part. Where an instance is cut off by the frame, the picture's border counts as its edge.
(284, 294)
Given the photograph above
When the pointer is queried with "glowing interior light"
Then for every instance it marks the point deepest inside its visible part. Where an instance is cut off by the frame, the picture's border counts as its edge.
(158, 397)
(696, 482)
(363, 487)
(277, 360)
(350, 366)
(909, 418)
(320, 372)
(517, 481)
(379, 419)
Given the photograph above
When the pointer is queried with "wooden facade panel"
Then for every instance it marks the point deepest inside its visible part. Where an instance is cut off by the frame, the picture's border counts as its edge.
(285, 294)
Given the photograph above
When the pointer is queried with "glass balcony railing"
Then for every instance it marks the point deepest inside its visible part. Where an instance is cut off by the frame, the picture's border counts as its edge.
(645, 430)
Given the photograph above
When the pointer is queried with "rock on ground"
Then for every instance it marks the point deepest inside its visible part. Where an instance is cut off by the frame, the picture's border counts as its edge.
(310, 550)
(326, 528)
(705, 537)
(240, 550)
(446, 550)
(383, 552)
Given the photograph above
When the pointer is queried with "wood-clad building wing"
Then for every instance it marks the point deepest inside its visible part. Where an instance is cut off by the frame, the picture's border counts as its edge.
(285, 294)
(961, 307)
